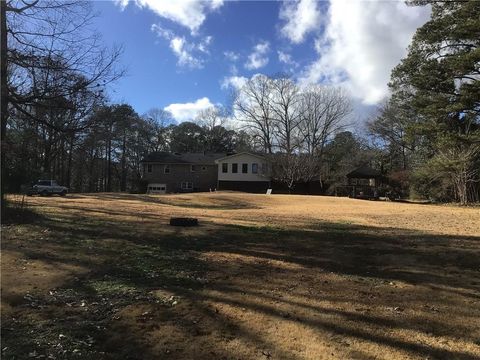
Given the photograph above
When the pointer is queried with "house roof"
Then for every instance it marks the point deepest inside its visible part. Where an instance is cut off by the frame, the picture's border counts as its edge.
(242, 153)
(364, 172)
(185, 158)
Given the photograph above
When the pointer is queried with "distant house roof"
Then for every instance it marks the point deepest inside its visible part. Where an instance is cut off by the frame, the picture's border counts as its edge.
(185, 158)
(364, 172)
(227, 156)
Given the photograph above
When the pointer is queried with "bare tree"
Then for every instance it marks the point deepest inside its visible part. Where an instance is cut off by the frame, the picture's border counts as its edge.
(48, 41)
(323, 113)
(213, 121)
(286, 114)
(159, 124)
(459, 165)
(211, 117)
(253, 107)
(291, 169)
(161, 117)
(50, 54)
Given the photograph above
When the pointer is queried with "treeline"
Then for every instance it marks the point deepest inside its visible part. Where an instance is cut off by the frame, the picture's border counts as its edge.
(54, 71)
(105, 155)
(430, 127)
(425, 139)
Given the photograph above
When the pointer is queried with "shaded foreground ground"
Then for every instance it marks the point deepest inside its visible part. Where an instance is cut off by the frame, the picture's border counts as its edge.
(263, 277)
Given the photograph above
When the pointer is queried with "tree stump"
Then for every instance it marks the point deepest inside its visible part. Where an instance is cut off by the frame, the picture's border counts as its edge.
(183, 221)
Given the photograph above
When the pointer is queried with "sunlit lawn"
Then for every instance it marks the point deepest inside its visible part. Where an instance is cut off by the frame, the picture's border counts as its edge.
(281, 277)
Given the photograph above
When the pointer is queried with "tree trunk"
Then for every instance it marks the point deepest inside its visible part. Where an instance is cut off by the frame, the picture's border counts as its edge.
(109, 166)
(404, 158)
(4, 95)
(69, 164)
(123, 183)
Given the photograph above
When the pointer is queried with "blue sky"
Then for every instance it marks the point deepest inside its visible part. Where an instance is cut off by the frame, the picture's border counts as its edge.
(186, 55)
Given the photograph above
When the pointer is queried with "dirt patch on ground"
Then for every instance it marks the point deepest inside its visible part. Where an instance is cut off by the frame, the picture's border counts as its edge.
(262, 277)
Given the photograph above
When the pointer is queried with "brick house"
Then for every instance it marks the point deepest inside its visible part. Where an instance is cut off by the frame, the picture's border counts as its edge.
(174, 172)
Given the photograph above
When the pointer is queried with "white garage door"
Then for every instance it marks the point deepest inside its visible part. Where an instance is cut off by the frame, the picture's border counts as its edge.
(157, 188)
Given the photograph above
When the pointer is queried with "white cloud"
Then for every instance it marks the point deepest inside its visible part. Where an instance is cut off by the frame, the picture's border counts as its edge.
(286, 59)
(235, 82)
(160, 31)
(121, 3)
(231, 55)
(188, 13)
(187, 53)
(362, 43)
(188, 111)
(300, 17)
(258, 58)
(204, 44)
(183, 50)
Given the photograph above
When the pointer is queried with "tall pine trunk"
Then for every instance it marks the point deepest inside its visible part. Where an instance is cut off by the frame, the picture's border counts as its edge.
(123, 182)
(4, 95)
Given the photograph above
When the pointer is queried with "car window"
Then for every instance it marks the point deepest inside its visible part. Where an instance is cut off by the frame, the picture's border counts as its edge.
(54, 183)
(43, 183)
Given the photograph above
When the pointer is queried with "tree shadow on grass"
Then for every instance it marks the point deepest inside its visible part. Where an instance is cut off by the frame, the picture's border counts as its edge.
(338, 281)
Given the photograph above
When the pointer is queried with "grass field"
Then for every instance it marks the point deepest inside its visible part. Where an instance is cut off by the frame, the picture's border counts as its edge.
(262, 277)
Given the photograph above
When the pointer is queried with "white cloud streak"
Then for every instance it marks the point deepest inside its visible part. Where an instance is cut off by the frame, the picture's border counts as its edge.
(231, 55)
(188, 111)
(286, 59)
(258, 58)
(188, 13)
(362, 43)
(300, 18)
(186, 52)
(183, 51)
(235, 82)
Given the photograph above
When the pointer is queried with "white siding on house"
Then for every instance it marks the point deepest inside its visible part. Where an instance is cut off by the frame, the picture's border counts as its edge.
(240, 159)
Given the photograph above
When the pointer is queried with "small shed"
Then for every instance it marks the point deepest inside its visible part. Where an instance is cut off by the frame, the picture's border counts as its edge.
(365, 176)
(361, 183)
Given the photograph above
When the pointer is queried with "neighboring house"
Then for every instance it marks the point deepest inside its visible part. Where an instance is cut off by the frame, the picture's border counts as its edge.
(243, 172)
(174, 172)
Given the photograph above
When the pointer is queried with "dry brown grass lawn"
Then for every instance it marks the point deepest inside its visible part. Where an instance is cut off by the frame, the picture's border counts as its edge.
(262, 277)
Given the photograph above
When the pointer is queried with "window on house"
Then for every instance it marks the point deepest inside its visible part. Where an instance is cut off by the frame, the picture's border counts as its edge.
(193, 168)
(264, 168)
(245, 168)
(234, 168)
(166, 169)
(187, 185)
(224, 167)
(254, 168)
(149, 168)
